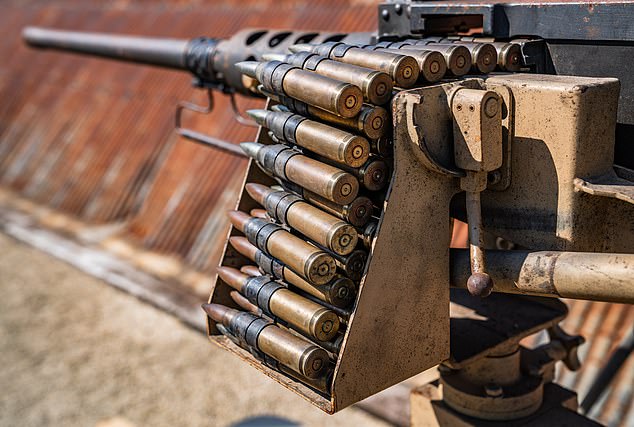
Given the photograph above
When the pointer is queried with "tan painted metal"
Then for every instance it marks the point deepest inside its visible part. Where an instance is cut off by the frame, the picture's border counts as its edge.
(564, 129)
(578, 275)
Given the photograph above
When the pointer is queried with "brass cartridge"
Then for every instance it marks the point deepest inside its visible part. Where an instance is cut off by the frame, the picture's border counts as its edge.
(432, 65)
(326, 230)
(375, 85)
(339, 292)
(509, 56)
(458, 57)
(343, 99)
(303, 315)
(321, 383)
(312, 264)
(401, 68)
(327, 181)
(372, 121)
(292, 351)
(353, 265)
(373, 175)
(357, 213)
(327, 141)
(484, 56)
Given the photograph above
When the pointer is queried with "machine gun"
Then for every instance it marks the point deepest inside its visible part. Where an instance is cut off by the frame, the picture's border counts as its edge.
(369, 146)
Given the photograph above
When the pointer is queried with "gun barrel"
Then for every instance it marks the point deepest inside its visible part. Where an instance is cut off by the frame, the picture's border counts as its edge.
(163, 52)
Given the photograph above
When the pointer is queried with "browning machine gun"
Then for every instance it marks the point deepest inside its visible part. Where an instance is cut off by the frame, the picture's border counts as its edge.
(337, 279)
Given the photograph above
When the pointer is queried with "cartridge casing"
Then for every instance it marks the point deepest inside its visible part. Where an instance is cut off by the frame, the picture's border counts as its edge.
(484, 56)
(325, 180)
(313, 264)
(295, 353)
(315, 224)
(376, 86)
(458, 58)
(343, 99)
(372, 121)
(373, 175)
(432, 65)
(402, 69)
(303, 315)
(354, 264)
(330, 142)
(509, 56)
(357, 213)
(339, 292)
(320, 383)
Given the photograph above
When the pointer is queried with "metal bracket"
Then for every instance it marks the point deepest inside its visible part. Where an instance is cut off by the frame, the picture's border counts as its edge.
(609, 185)
(198, 137)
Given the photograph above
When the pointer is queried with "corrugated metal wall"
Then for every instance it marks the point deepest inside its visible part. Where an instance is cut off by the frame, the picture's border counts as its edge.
(94, 138)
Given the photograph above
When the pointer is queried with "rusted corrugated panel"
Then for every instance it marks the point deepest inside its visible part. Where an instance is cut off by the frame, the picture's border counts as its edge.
(94, 138)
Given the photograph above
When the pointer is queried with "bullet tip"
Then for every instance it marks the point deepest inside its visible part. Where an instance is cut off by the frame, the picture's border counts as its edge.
(244, 247)
(248, 68)
(215, 311)
(232, 277)
(301, 47)
(251, 149)
(271, 56)
(257, 191)
(238, 219)
(258, 115)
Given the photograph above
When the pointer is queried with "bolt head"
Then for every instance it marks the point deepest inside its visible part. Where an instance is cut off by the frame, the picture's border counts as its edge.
(493, 390)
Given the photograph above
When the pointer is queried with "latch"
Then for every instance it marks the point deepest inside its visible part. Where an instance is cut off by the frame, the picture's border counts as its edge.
(477, 132)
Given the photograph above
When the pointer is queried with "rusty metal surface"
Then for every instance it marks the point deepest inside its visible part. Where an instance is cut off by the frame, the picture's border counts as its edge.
(94, 138)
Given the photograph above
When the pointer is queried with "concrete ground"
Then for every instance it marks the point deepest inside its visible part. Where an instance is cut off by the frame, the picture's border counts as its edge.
(74, 351)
